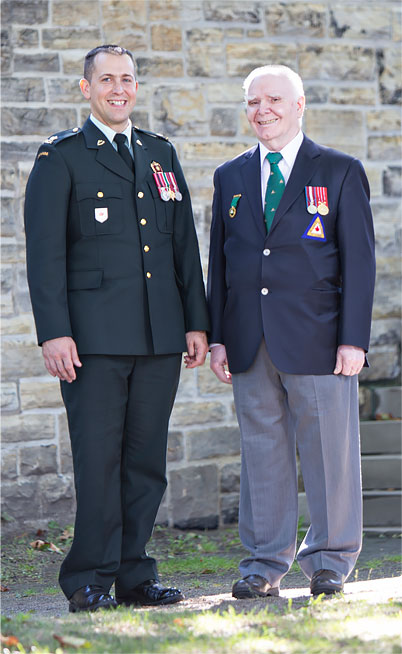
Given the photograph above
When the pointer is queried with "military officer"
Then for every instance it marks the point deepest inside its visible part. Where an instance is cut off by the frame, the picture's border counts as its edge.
(117, 294)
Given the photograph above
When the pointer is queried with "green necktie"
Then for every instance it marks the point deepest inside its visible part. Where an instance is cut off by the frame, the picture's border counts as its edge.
(275, 188)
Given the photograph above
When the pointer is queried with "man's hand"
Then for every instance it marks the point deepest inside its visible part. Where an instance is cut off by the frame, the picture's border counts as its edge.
(61, 356)
(219, 364)
(197, 348)
(349, 360)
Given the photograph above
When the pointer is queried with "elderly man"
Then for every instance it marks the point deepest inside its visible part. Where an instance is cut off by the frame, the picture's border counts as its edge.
(117, 293)
(290, 290)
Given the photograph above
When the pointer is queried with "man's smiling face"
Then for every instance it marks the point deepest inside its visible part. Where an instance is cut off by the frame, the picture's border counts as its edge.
(112, 89)
(273, 110)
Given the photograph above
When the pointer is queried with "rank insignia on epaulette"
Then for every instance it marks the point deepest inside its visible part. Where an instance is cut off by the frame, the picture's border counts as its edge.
(233, 205)
(315, 230)
(50, 140)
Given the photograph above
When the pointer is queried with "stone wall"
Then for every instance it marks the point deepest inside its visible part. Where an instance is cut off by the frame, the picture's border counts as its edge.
(192, 57)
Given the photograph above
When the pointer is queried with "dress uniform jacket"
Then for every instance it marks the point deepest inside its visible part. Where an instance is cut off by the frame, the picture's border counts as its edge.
(304, 295)
(109, 262)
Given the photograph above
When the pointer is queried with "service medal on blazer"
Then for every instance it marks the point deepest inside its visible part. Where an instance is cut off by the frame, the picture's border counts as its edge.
(233, 205)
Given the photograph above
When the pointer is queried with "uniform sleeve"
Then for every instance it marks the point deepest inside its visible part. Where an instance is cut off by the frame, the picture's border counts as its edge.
(187, 258)
(356, 247)
(45, 214)
(217, 290)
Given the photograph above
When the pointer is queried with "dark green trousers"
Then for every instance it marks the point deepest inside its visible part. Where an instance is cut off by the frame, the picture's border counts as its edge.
(118, 412)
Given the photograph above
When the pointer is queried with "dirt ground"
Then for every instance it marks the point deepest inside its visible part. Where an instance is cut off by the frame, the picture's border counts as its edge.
(30, 578)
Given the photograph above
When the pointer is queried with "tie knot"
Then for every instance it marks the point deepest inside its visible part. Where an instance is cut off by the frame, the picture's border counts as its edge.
(120, 139)
(274, 157)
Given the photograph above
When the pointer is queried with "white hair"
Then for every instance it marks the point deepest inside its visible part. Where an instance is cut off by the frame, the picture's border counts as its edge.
(279, 70)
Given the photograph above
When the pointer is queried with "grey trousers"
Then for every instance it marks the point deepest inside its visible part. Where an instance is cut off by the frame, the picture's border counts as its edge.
(319, 413)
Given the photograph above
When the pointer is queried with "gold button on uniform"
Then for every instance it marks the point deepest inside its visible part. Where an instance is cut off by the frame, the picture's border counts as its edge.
(140, 194)
(149, 275)
(146, 248)
(143, 221)
(99, 194)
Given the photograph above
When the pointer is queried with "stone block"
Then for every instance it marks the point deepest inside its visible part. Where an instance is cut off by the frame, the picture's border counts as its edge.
(366, 405)
(160, 67)
(22, 357)
(8, 465)
(61, 38)
(20, 151)
(36, 63)
(386, 120)
(175, 448)
(28, 427)
(384, 364)
(10, 224)
(387, 297)
(179, 111)
(355, 21)
(382, 509)
(64, 91)
(228, 11)
(223, 122)
(38, 460)
(26, 38)
(230, 508)
(21, 292)
(396, 21)
(230, 478)
(219, 441)
(66, 461)
(166, 37)
(390, 75)
(9, 396)
(194, 497)
(73, 63)
(316, 94)
(206, 60)
(337, 62)
(40, 393)
(166, 10)
(22, 89)
(385, 332)
(381, 437)
(255, 34)
(225, 92)
(205, 35)
(25, 12)
(20, 500)
(123, 16)
(8, 177)
(72, 13)
(216, 150)
(43, 121)
(296, 18)
(374, 174)
(389, 401)
(133, 41)
(21, 324)
(139, 118)
(208, 383)
(6, 52)
(365, 95)
(342, 130)
(392, 178)
(190, 413)
(381, 472)
(12, 251)
(384, 147)
(57, 497)
(243, 57)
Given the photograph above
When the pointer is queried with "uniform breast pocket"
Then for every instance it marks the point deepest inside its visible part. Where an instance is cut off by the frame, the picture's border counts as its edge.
(164, 210)
(101, 208)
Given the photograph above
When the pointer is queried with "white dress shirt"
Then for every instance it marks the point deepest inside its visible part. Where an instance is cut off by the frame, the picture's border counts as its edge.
(289, 154)
(110, 133)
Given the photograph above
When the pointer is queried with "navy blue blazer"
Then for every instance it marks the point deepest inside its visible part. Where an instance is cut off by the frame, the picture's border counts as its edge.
(320, 290)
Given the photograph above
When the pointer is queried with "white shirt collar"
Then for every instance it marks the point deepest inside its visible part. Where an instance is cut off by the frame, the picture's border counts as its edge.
(289, 152)
(109, 132)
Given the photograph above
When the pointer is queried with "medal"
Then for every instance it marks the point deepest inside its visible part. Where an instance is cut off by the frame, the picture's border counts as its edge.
(233, 205)
(178, 195)
(164, 193)
(312, 208)
(317, 200)
(232, 212)
(322, 209)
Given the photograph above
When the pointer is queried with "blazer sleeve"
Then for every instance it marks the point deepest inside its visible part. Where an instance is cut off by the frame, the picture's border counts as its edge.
(355, 234)
(217, 290)
(187, 262)
(45, 216)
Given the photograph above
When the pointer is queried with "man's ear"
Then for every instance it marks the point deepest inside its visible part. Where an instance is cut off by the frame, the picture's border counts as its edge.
(301, 103)
(85, 88)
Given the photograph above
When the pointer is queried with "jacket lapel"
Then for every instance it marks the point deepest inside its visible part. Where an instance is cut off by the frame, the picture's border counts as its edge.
(251, 173)
(141, 158)
(106, 154)
(306, 163)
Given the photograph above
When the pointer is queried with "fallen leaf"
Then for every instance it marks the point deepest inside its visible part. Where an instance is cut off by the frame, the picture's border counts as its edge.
(44, 545)
(67, 533)
(71, 641)
(3, 589)
(54, 548)
(40, 533)
(178, 621)
(207, 571)
(9, 640)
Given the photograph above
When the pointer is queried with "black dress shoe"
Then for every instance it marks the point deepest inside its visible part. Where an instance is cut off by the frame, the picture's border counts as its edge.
(91, 598)
(253, 586)
(150, 593)
(326, 581)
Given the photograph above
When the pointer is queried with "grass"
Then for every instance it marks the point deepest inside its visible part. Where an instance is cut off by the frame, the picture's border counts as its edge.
(199, 565)
(319, 627)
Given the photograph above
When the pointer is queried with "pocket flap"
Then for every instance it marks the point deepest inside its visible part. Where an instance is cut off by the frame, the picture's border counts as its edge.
(84, 279)
(98, 191)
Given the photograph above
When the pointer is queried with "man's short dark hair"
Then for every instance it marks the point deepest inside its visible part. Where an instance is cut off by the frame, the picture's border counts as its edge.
(89, 62)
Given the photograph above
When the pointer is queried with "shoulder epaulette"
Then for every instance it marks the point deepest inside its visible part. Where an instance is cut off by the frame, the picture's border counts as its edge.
(154, 134)
(60, 136)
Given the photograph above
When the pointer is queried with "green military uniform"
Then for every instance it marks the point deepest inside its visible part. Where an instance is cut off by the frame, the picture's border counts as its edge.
(117, 268)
